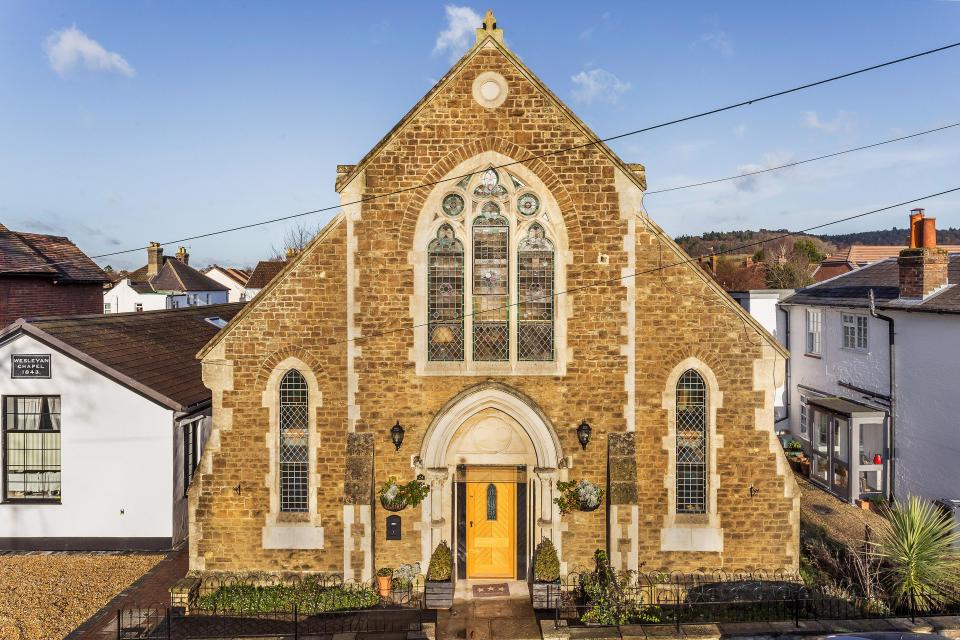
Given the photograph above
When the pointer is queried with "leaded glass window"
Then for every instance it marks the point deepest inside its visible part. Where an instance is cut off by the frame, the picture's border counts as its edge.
(691, 443)
(31, 428)
(491, 501)
(445, 273)
(491, 292)
(535, 293)
(294, 426)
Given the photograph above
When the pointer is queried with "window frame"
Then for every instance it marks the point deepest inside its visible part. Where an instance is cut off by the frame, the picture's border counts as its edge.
(858, 324)
(138, 307)
(704, 446)
(306, 472)
(191, 452)
(804, 418)
(6, 457)
(813, 335)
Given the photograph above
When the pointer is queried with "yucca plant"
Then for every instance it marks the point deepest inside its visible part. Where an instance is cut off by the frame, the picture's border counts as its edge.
(921, 565)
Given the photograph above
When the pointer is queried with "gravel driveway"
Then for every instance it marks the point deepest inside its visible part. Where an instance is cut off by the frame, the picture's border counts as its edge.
(45, 596)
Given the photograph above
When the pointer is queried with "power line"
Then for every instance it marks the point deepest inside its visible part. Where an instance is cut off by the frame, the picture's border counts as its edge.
(656, 269)
(549, 153)
(799, 162)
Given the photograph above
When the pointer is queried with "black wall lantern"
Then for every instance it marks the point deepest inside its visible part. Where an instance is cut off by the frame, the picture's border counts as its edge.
(396, 434)
(583, 434)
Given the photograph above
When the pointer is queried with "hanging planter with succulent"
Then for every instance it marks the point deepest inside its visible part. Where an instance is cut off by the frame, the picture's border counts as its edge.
(397, 497)
(578, 496)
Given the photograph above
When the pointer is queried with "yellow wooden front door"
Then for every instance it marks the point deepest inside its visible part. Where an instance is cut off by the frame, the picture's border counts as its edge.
(491, 529)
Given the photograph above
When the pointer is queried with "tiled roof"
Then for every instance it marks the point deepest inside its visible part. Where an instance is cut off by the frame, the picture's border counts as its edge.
(860, 255)
(853, 290)
(152, 351)
(264, 272)
(176, 276)
(240, 276)
(53, 256)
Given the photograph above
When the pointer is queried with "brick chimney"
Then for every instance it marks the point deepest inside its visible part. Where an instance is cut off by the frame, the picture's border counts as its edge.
(183, 256)
(154, 259)
(923, 267)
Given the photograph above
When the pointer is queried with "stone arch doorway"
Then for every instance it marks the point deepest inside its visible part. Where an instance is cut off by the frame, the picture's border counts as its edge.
(487, 445)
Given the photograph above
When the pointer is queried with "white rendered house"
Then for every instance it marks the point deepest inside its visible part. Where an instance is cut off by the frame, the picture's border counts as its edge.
(235, 280)
(103, 421)
(869, 428)
(165, 282)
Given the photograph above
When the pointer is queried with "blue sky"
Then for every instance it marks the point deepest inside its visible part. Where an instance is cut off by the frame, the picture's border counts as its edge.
(122, 123)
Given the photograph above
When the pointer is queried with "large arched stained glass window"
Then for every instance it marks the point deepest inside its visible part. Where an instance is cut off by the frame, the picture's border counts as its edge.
(294, 427)
(445, 274)
(491, 284)
(691, 443)
(535, 293)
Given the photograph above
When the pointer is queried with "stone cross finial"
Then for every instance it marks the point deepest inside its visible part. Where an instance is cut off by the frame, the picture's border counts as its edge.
(489, 28)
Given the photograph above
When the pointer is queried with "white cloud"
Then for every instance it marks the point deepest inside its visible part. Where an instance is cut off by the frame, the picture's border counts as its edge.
(718, 41)
(458, 36)
(770, 160)
(844, 122)
(70, 47)
(740, 130)
(598, 85)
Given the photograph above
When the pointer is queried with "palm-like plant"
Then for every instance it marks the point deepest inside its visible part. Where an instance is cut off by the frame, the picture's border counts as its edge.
(921, 562)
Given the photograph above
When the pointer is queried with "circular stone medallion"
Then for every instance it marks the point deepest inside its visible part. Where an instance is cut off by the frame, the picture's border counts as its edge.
(490, 89)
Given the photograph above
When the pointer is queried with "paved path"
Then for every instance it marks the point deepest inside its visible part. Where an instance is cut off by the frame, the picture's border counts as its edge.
(489, 619)
(151, 590)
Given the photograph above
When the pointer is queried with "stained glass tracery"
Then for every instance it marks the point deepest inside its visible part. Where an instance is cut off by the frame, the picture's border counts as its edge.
(445, 303)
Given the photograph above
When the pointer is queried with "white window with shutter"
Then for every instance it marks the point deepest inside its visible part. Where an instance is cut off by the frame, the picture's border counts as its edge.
(814, 332)
(855, 331)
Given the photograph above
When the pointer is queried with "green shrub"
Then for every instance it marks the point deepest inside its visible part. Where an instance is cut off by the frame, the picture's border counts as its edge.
(921, 565)
(441, 563)
(310, 597)
(546, 564)
(384, 572)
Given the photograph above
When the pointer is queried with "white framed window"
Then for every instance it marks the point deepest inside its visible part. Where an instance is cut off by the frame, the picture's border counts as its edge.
(31, 448)
(804, 417)
(138, 306)
(106, 307)
(855, 331)
(814, 344)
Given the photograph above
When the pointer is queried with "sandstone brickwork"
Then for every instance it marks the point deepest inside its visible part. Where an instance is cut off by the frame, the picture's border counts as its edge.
(623, 339)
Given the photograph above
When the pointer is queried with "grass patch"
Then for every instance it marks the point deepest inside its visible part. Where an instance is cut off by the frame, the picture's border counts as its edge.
(309, 597)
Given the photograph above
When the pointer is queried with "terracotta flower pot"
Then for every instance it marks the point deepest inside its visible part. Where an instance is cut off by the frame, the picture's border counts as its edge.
(385, 586)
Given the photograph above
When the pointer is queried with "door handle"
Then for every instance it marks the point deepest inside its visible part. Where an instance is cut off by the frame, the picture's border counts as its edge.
(471, 523)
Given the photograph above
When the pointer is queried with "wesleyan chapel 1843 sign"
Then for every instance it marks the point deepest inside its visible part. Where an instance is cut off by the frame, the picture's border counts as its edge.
(30, 365)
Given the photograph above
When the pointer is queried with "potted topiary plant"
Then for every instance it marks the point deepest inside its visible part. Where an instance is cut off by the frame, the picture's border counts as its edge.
(385, 582)
(578, 496)
(439, 585)
(545, 589)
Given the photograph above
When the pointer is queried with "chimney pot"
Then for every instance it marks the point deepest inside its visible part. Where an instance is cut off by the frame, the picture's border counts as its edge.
(928, 235)
(183, 256)
(916, 215)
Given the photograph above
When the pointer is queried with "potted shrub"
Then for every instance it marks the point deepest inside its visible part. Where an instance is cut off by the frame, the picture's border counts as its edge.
(439, 585)
(578, 496)
(545, 590)
(385, 582)
(396, 497)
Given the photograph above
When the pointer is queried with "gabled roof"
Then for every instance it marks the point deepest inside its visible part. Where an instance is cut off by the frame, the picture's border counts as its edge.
(179, 277)
(35, 254)
(264, 272)
(852, 290)
(240, 276)
(151, 352)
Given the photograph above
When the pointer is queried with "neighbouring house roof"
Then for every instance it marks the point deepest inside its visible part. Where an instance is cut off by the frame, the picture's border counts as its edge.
(42, 255)
(883, 278)
(240, 276)
(264, 272)
(174, 276)
(860, 255)
(152, 352)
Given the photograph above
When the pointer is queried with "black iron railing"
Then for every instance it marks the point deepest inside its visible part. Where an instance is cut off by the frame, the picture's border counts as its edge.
(252, 607)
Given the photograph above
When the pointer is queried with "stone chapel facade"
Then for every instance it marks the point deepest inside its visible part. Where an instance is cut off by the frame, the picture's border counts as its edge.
(489, 314)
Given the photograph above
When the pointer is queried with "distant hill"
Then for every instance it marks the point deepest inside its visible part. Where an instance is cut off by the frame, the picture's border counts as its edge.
(714, 241)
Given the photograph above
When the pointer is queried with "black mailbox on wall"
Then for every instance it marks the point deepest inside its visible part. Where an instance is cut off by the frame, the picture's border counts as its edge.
(393, 527)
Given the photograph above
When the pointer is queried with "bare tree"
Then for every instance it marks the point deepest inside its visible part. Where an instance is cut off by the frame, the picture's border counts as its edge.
(294, 240)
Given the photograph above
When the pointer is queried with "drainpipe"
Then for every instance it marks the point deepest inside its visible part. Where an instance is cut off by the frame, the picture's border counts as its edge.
(891, 337)
(786, 366)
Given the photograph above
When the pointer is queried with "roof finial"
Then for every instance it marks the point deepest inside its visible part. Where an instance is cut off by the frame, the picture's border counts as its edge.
(489, 28)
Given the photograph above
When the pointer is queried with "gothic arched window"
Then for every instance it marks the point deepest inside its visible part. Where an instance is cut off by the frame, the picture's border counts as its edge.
(445, 305)
(487, 316)
(691, 443)
(294, 429)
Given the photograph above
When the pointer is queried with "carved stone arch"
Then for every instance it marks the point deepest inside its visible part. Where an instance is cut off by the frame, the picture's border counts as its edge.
(490, 395)
(270, 362)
